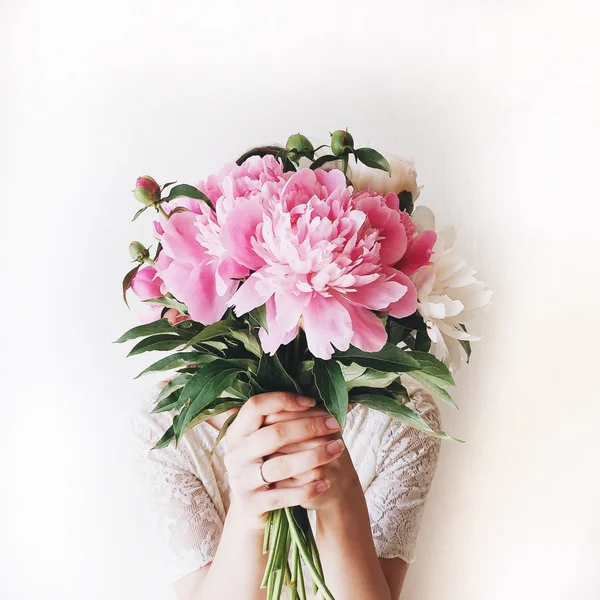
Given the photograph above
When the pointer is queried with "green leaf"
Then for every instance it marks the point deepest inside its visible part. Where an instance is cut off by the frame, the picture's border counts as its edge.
(160, 326)
(127, 282)
(258, 317)
(177, 360)
(323, 160)
(239, 389)
(433, 367)
(188, 191)
(373, 159)
(389, 359)
(396, 332)
(466, 344)
(139, 212)
(249, 341)
(329, 380)
(167, 437)
(171, 402)
(161, 342)
(412, 322)
(422, 341)
(434, 375)
(399, 411)
(169, 303)
(405, 200)
(169, 395)
(216, 330)
(371, 378)
(222, 432)
(205, 385)
(216, 408)
(272, 376)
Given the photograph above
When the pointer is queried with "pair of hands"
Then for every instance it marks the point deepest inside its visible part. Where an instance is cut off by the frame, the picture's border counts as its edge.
(302, 450)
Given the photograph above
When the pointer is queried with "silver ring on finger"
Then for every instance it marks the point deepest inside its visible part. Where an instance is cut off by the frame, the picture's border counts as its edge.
(260, 472)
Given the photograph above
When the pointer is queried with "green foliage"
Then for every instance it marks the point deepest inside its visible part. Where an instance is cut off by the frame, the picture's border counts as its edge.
(127, 282)
(258, 317)
(389, 359)
(160, 326)
(187, 191)
(399, 411)
(162, 341)
(177, 360)
(434, 375)
(216, 330)
(373, 159)
(272, 375)
(205, 385)
(329, 380)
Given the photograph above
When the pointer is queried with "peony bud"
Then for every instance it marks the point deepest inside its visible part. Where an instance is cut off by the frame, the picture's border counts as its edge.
(146, 190)
(298, 146)
(341, 142)
(138, 252)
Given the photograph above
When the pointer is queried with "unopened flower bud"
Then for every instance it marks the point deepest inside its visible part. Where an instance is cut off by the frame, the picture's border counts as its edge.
(298, 146)
(146, 190)
(138, 252)
(341, 142)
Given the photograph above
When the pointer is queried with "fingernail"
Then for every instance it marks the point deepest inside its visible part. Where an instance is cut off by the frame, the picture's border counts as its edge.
(304, 401)
(322, 486)
(335, 446)
(331, 423)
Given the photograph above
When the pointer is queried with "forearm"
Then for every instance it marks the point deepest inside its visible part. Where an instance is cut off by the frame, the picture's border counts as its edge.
(345, 544)
(239, 564)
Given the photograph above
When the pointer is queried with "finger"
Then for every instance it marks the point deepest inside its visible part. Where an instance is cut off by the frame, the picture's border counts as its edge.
(283, 497)
(283, 467)
(285, 415)
(270, 439)
(306, 444)
(252, 413)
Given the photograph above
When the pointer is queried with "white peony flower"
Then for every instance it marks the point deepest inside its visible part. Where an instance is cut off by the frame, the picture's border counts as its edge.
(404, 177)
(448, 294)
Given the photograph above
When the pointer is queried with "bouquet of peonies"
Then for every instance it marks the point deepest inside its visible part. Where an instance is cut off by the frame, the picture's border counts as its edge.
(294, 270)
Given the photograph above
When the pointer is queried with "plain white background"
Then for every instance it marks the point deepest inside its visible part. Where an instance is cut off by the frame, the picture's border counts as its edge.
(498, 102)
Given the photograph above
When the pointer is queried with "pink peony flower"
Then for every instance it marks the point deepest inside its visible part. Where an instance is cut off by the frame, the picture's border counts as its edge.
(418, 249)
(323, 260)
(200, 261)
(146, 284)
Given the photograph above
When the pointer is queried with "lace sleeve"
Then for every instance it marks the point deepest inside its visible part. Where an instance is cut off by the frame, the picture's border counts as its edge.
(187, 523)
(396, 496)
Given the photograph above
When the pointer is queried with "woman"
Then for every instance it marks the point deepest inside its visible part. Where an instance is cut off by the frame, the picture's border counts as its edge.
(366, 487)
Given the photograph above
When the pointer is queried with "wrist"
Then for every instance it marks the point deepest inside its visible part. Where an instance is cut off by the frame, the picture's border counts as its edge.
(244, 521)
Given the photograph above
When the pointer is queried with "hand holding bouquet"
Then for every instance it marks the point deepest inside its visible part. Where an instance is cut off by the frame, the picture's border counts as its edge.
(314, 280)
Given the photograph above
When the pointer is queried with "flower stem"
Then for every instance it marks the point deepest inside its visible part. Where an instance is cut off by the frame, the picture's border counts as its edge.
(162, 210)
(306, 554)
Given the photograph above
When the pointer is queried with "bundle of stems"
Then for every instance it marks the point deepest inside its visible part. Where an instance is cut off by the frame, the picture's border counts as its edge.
(289, 529)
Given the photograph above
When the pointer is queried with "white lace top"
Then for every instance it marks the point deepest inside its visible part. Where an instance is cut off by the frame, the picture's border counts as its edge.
(190, 497)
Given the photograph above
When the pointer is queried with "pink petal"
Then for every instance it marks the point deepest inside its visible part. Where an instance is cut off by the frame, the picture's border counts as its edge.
(148, 313)
(278, 334)
(369, 332)
(326, 322)
(200, 294)
(179, 239)
(247, 297)
(238, 231)
(418, 253)
(147, 284)
(406, 305)
(229, 269)
(379, 294)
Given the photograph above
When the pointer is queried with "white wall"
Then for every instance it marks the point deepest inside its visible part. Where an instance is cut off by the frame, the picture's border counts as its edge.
(498, 103)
